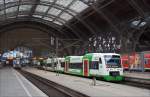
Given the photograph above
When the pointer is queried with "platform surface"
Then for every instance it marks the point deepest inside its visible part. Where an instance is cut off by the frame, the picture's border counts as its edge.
(13, 84)
(140, 75)
(84, 85)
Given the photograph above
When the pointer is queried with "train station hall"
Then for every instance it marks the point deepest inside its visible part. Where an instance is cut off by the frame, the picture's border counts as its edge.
(74, 48)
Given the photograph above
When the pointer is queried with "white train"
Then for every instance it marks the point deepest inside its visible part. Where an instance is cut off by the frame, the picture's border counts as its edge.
(105, 65)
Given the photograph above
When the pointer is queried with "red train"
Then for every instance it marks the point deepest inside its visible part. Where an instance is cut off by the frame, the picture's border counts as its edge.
(136, 61)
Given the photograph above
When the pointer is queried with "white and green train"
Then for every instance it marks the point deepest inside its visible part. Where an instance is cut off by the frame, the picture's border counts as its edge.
(103, 65)
(54, 64)
(73, 65)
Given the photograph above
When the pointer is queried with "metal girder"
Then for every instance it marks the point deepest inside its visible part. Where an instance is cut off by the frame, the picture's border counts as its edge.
(74, 31)
(33, 8)
(29, 26)
(106, 18)
(5, 10)
(97, 9)
(64, 10)
(26, 18)
(136, 7)
(76, 16)
(69, 45)
(139, 35)
(90, 29)
(49, 8)
(85, 24)
(60, 7)
(18, 9)
(146, 4)
(101, 7)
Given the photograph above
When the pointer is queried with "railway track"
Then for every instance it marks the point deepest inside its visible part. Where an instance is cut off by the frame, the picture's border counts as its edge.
(136, 82)
(50, 88)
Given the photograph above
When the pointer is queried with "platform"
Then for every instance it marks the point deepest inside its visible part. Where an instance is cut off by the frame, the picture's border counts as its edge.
(13, 84)
(85, 86)
(140, 75)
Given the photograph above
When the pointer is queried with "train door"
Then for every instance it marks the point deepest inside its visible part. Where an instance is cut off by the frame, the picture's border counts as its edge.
(66, 66)
(85, 67)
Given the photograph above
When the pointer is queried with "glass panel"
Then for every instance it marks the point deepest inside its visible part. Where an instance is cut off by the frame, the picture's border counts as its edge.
(7, 1)
(11, 17)
(112, 61)
(71, 12)
(12, 9)
(2, 12)
(37, 16)
(1, 2)
(47, 0)
(78, 6)
(58, 23)
(54, 11)
(48, 19)
(25, 7)
(135, 23)
(94, 65)
(66, 16)
(41, 8)
(64, 2)
(76, 66)
(22, 15)
(61, 21)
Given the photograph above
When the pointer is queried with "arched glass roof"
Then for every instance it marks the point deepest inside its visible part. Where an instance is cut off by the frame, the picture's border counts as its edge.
(55, 11)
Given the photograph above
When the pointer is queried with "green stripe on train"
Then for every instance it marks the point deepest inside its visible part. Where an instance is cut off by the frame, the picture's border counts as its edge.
(113, 78)
(76, 71)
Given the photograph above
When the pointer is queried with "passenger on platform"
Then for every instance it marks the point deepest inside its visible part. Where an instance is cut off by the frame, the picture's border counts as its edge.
(58, 66)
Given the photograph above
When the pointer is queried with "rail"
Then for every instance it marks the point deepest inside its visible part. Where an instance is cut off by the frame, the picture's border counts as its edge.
(50, 88)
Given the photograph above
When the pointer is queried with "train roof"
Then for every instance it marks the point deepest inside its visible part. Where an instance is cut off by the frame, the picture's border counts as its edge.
(74, 56)
(100, 54)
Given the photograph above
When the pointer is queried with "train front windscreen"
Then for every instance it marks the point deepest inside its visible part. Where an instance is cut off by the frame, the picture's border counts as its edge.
(112, 61)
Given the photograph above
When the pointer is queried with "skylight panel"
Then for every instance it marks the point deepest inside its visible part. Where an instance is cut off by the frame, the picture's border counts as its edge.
(61, 21)
(71, 12)
(25, 7)
(1, 2)
(11, 9)
(48, 19)
(11, 17)
(22, 15)
(41, 8)
(2, 12)
(37, 16)
(66, 16)
(64, 2)
(78, 6)
(54, 11)
(58, 23)
(47, 0)
(7, 1)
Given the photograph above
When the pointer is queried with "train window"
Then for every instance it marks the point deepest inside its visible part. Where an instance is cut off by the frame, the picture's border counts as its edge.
(100, 60)
(94, 65)
(145, 61)
(148, 61)
(75, 65)
(125, 62)
(55, 64)
(113, 61)
(49, 64)
(62, 64)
